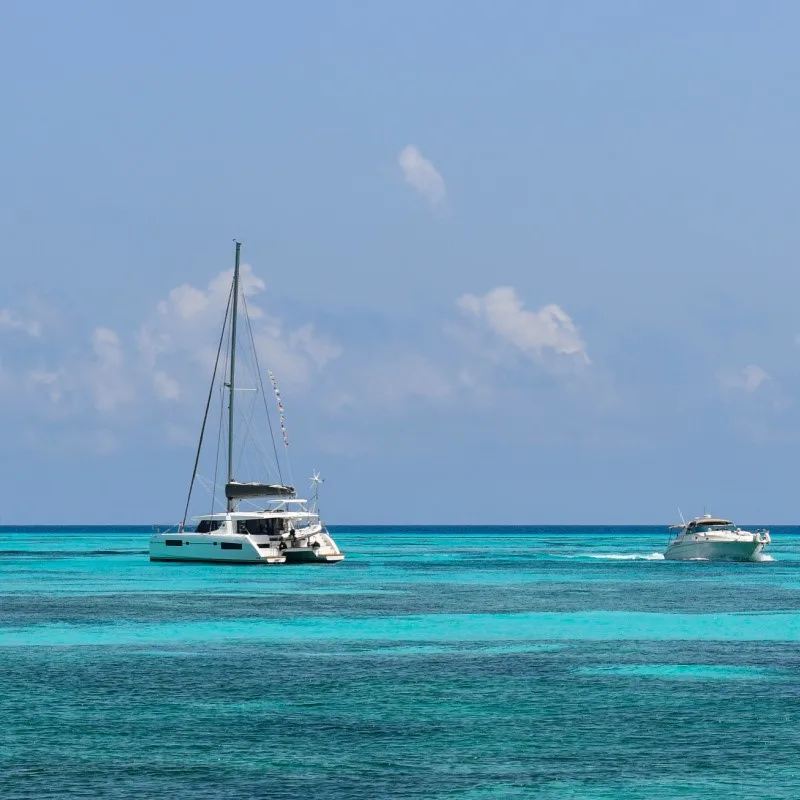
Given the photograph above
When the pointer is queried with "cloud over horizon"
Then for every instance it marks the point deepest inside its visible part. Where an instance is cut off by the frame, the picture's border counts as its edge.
(532, 332)
(181, 338)
(420, 173)
(155, 373)
(122, 379)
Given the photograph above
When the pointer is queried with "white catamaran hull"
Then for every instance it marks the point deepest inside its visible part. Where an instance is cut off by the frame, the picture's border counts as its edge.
(715, 550)
(209, 547)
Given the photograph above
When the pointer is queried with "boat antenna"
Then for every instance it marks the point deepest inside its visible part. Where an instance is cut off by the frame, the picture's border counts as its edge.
(235, 290)
(683, 521)
(316, 480)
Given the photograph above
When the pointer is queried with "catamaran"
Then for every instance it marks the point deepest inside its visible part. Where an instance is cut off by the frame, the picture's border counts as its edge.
(285, 529)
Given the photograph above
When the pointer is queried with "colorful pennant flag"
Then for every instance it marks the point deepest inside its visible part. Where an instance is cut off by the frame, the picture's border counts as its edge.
(280, 407)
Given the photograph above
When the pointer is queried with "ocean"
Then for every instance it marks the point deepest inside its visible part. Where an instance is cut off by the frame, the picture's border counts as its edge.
(437, 662)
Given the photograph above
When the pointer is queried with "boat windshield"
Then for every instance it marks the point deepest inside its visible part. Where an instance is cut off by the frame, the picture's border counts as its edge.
(715, 527)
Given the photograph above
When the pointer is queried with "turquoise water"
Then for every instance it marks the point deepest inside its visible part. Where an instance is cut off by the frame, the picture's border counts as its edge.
(432, 663)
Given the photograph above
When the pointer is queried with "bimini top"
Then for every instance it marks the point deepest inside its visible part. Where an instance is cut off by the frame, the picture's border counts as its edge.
(705, 522)
(709, 520)
(240, 491)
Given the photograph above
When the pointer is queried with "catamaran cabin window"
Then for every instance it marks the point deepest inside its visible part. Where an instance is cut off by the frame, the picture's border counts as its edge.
(261, 527)
(230, 545)
(208, 525)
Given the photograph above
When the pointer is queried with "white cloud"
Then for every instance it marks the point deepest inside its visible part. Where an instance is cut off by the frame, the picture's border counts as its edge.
(114, 380)
(549, 328)
(188, 302)
(13, 321)
(178, 344)
(422, 175)
(292, 357)
(748, 379)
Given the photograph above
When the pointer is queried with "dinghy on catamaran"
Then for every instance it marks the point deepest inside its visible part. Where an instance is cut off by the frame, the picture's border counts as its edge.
(281, 528)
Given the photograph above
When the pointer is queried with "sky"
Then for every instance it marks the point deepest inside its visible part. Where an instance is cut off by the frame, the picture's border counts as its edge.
(511, 262)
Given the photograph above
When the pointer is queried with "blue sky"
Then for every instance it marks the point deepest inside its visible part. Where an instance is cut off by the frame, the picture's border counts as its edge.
(515, 262)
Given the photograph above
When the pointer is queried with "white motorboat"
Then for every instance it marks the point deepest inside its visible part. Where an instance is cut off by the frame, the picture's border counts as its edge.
(710, 538)
(286, 529)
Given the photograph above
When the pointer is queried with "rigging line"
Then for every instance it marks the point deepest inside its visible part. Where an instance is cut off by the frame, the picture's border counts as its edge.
(263, 393)
(205, 413)
(221, 411)
(289, 465)
(262, 462)
(277, 463)
(255, 445)
(254, 441)
(219, 443)
(246, 425)
(242, 425)
(209, 487)
(241, 430)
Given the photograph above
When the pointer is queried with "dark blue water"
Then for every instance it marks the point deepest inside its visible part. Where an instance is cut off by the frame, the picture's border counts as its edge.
(432, 663)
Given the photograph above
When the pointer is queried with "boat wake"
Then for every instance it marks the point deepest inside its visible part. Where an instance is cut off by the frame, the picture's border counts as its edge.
(70, 553)
(614, 556)
(628, 556)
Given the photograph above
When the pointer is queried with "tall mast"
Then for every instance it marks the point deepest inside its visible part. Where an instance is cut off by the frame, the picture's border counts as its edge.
(231, 502)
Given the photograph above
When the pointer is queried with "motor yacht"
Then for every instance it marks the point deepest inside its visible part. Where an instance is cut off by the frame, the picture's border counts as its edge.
(712, 538)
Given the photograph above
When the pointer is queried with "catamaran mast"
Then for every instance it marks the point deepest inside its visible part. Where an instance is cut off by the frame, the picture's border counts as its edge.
(231, 501)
